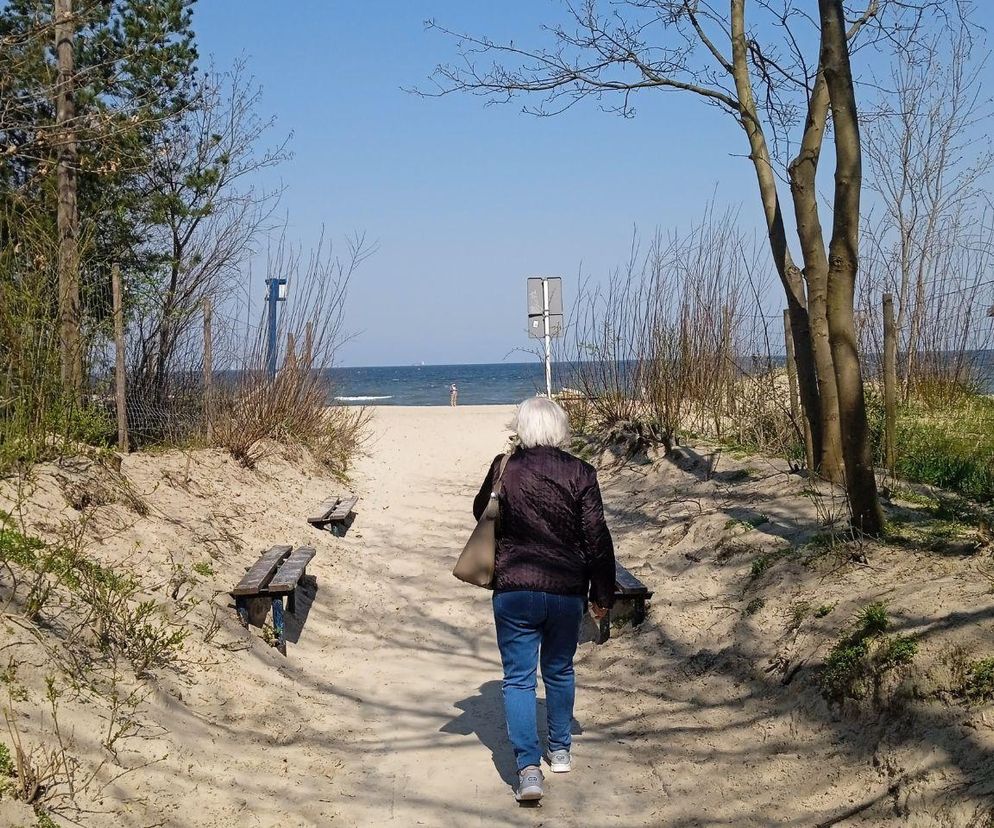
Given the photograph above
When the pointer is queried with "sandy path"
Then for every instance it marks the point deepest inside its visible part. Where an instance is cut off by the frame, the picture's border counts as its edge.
(416, 653)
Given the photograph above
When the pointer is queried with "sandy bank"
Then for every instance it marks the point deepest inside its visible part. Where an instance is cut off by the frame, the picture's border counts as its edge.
(387, 709)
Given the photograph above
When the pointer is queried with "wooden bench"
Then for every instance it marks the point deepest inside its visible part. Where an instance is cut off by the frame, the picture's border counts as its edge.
(276, 574)
(335, 514)
(630, 595)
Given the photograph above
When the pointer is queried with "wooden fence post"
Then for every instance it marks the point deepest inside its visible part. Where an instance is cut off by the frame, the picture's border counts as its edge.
(208, 363)
(727, 390)
(290, 361)
(890, 385)
(120, 389)
(308, 344)
(795, 404)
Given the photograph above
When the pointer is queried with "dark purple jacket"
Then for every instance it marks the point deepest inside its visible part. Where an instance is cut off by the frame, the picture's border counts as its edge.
(551, 534)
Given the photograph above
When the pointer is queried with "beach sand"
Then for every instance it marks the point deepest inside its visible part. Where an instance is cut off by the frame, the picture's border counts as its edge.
(387, 709)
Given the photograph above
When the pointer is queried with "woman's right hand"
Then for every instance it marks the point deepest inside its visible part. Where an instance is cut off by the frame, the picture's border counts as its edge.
(598, 611)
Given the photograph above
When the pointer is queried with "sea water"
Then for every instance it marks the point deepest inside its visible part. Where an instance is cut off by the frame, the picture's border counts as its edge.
(500, 384)
(507, 383)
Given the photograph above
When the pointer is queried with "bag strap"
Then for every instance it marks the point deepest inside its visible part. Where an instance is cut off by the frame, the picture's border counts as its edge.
(495, 489)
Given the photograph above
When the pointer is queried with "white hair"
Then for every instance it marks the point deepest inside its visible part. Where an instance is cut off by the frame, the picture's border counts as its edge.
(540, 421)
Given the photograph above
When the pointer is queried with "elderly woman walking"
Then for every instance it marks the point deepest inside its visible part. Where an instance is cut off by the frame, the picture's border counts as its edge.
(554, 552)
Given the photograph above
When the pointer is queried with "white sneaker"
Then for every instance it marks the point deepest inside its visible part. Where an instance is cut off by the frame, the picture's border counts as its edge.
(529, 784)
(560, 762)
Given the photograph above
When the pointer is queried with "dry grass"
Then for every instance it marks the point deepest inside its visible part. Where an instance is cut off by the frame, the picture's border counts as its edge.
(254, 410)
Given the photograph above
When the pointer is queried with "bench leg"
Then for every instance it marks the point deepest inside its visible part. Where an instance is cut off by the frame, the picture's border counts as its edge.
(638, 614)
(291, 602)
(605, 628)
(241, 607)
(278, 624)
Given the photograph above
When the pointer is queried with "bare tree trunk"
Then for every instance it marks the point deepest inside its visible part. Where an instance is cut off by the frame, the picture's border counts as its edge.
(792, 387)
(789, 272)
(67, 215)
(890, 385)
(803, 172)
(208, 363)
(861, 488)
(166, 335)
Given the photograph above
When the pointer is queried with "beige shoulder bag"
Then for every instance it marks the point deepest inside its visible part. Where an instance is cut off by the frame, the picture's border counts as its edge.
(476, 562)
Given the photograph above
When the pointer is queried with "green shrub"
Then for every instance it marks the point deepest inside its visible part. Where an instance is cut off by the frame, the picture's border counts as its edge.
(824, 610)
(858, 662)
(16, 548)
(872, 620)
(978, 684)
(45, 821)
(7, 768)
(145, 637)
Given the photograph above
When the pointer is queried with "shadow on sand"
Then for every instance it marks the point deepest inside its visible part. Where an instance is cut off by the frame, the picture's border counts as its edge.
(483, 715)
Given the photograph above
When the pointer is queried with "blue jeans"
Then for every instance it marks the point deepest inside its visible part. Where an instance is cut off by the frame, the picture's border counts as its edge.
(529, 623)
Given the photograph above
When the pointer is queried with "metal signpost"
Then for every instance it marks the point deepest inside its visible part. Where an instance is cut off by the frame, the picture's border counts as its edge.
(275, 293)
(545, 317)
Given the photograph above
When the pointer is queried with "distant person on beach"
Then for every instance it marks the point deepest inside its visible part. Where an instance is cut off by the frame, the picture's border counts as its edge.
(453, 395)
(554, 551)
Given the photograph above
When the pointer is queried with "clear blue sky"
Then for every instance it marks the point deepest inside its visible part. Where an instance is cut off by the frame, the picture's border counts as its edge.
(464, 201)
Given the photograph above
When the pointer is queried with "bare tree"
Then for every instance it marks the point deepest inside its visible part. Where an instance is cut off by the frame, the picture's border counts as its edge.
(203, 216)
(929, 160)
(612, 52)
(656, 349)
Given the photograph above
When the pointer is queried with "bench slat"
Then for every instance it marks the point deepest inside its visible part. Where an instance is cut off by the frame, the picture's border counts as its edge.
(343, 509)
(627, 584)
(323, 510)
(334, 508)
(291, 571)
(262, 570)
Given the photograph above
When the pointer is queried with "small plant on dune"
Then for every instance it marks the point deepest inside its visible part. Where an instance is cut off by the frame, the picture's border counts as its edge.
(747, 523)
(872, 620)
(759, 566)
(859, 661)
(916, 498)
(978, 681)
(15, 690)
(269, 634)
(824, 610)
(798, 612)
(108, 600)
(754, 606)
(44, 820)
(204, 569)
(7, 769)
(145, 638)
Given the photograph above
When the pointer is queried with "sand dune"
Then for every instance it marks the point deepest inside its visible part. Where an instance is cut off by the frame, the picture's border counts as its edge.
(387, 709)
